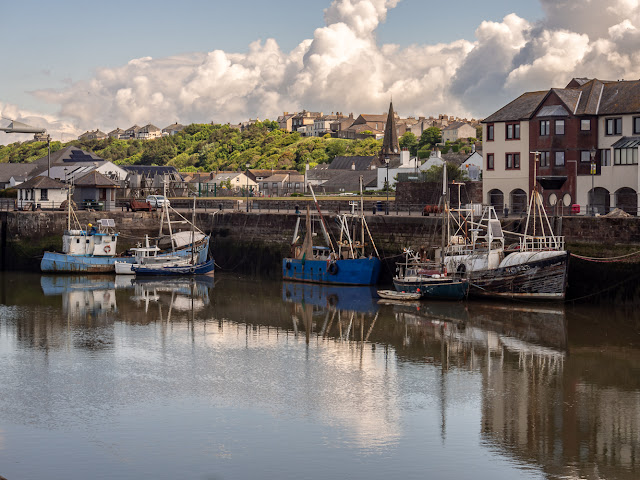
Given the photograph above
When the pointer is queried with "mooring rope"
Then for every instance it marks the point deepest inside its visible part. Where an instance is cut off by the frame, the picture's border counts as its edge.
(605, 260)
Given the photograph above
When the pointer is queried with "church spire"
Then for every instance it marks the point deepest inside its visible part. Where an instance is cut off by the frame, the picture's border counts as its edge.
(390, 145)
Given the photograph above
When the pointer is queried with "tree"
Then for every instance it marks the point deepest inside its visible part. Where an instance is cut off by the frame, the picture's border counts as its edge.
(409, 141)
(479, 132)
(434, 174)
(430, 136)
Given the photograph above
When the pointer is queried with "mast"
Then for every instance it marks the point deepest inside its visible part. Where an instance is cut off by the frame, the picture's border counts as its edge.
(444, 213)
(322, 224)
(193, 232)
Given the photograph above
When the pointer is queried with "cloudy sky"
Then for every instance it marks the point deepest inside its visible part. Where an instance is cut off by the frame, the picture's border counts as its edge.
(72, 66)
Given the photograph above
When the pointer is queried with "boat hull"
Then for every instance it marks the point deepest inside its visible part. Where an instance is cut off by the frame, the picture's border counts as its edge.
(355, 271)
(205, 268)
(53, 262)
(544, 279)
(434, 289)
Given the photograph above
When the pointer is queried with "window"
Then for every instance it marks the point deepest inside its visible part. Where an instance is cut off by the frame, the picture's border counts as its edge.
(544, 159)
(636, 125)
(605, 157)
(44, 194)
(490, 132)
(544, 128)
(625, 156)
(585, 156)
(490, 161)
(559, 159)
(613, 126)
(585, 125)
(513, 131)
(559, 127)
(512, 161)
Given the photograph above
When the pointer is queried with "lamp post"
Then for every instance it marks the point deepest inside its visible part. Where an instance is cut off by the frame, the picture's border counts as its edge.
(247, 174)
(593, 174)
(386, 208)
(18, 127)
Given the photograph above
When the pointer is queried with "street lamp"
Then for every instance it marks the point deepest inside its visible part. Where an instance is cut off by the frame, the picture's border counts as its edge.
(18, 127)
(247, 174)
(386, 208)
(593, 174)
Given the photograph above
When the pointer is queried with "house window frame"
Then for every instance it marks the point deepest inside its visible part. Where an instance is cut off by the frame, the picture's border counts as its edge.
(611, 125)
(545, 159)
(558, 123)
(605, 157)
(44, 194)
(636, 125)
(556, 156)
(621, 155)
(491, 130)
(582, 124)
(512, 131)
(545, 127)
(585, 156)
(490, 161)
(512, 161)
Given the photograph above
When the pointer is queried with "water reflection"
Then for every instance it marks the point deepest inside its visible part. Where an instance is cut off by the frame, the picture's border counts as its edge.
(553, 390)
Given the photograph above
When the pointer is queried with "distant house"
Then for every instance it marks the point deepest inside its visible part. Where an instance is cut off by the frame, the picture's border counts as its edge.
(456, 131)
(149, 132)
(304, 119)
(143, 180)
(280, 184)
(41, 192)
(233, 181)
(93, 135)
(172, 129)
(132, 132)
(340, 124)
(285, 121)
(472, 166)
(12, 174)
(118, 133)
(95, 189)
(322, 124)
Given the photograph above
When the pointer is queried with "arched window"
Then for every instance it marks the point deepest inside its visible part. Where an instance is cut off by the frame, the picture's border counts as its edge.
(496, 199)
(518, 201)
(627, 200)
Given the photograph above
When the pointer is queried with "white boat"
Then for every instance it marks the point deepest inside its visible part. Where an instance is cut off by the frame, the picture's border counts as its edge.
(148, 256)
(395, 295)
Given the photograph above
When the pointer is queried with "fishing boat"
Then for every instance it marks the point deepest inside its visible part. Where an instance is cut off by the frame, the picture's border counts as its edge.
(84, 250)
(149, 255)
(350, 261)
(179, 265)
(536, 268)
(430, 278)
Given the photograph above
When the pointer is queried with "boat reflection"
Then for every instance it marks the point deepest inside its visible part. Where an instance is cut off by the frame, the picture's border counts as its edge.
(342, 311)
(83, 296)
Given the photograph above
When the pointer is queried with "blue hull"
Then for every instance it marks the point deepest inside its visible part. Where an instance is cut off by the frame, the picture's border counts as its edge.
(340, 297)
(200, 269)
(53, 262)
(357, 271)
(453, 289)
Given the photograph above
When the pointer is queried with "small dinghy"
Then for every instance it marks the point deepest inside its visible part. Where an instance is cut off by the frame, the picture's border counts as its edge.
(393, 295)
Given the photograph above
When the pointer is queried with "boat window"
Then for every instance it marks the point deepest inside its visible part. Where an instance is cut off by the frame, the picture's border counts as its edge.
(87, 240)
(77, 240)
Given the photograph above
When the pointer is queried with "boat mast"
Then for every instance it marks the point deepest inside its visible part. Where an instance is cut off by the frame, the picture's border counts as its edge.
(322, 224)
(444, 213)
(193, 232)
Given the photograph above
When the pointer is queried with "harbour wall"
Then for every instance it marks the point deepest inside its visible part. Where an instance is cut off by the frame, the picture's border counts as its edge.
(257, 242)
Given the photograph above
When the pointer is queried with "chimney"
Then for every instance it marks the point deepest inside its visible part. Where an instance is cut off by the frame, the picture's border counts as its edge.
(353, 165)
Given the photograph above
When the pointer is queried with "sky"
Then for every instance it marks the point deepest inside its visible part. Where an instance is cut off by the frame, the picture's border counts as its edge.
(72, 66)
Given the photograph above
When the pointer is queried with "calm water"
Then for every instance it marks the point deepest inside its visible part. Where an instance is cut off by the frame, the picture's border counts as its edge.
(249, 378)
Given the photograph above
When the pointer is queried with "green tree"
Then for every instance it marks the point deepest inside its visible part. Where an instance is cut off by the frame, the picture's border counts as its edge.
(434, 174)
(409, 141)
(430, 136)
(479, 132)
(424, 152)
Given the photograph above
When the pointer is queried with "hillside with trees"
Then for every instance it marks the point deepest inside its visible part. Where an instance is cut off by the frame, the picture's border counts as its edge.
(206, 147)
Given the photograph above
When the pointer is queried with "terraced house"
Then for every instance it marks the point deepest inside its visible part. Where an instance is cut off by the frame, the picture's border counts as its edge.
(583, 139)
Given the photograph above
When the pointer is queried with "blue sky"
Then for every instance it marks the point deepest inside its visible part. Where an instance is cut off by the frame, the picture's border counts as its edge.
(69, 66)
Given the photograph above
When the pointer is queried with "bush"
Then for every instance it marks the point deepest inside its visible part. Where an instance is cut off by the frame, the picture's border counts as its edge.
(296, 194)
(9, 193)
(455, 148)
(445, 149)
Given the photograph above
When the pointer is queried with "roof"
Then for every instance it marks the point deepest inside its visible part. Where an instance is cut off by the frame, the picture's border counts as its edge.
(361, 162)
(173, 127)
(456, 125)
(95, 179)
(350, 180)
(627, 142)
(8, 170)
(150, 169)
(281, 177)
(620, 97)
(552, 111)
(41, 182)
(520, 109)
(149, 128)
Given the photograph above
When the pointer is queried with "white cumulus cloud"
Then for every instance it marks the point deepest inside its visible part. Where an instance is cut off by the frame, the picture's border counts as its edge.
(343, 68)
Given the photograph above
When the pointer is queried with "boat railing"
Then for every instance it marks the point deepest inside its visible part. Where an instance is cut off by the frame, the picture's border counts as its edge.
(536, 244)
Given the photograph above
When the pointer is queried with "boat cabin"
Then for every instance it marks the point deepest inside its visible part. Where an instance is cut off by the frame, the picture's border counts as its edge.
(93, 241)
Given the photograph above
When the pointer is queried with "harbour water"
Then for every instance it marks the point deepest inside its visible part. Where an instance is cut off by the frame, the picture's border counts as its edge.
(243, 377)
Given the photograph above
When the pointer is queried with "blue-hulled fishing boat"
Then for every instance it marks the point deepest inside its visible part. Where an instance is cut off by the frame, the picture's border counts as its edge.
(349, 262)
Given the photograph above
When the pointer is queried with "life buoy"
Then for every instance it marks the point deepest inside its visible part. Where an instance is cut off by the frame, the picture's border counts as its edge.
(107, 248)
(333, 268)
(192, 269)
(288, 265)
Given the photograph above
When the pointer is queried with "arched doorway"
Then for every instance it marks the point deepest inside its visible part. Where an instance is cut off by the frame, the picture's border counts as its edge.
(518, 201)
(627, 200)
(496, 199)
(601, 201)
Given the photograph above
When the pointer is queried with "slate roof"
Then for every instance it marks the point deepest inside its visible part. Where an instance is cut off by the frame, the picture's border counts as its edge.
(455, 125)
(8, 170)
(152, 170)
(350, 180)
(520, 109)
(41, 182)
(361, 162)
(96, 179)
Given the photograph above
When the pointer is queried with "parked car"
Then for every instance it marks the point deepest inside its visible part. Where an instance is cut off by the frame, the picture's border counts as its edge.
(428, 209)
(158, 201)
